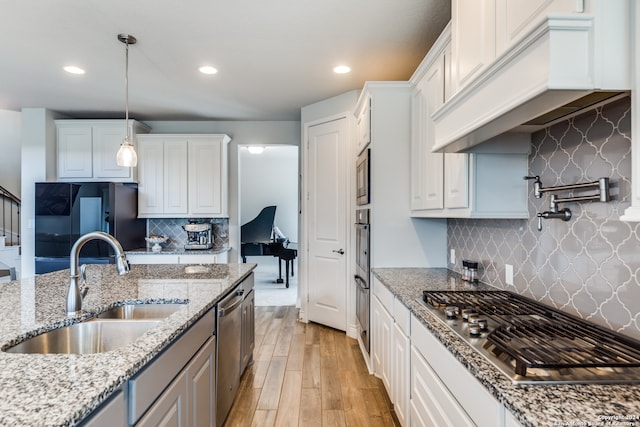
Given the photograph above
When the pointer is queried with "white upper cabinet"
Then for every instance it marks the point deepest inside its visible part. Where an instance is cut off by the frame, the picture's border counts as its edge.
(514, 61)
(486, 183)
(363, 124)
(473, 37)
(183, 175)
(87, 149)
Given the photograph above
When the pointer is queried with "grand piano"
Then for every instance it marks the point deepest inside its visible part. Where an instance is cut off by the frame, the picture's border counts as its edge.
(257, 238)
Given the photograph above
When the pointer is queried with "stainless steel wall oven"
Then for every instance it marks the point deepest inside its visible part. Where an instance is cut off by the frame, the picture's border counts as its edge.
(362, 274)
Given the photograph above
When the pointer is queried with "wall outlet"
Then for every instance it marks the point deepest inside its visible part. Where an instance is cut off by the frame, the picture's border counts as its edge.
(452, 256)
(508, 274)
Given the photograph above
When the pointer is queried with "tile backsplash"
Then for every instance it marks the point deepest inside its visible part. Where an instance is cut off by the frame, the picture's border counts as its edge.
(172, 228)
(588, 266)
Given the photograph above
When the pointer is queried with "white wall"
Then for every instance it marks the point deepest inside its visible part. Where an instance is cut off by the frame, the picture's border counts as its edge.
(38, 164)
(270, 178)
(241, 133)
(10, 130)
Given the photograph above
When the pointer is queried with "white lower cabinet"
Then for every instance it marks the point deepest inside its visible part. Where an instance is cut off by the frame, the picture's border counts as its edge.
(221, 258)
(427, 385)
(382, 330)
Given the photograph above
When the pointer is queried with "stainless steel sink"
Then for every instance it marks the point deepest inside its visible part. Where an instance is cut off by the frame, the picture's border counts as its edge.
(93, 336)
(141, 311)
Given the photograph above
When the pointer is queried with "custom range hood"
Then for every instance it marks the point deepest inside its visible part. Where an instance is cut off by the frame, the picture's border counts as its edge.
(567, 64)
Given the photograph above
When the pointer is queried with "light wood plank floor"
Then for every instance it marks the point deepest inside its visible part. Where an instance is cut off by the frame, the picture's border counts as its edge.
(307, 375)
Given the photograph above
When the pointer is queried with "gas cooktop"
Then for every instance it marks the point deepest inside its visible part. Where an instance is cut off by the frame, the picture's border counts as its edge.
(531, 343)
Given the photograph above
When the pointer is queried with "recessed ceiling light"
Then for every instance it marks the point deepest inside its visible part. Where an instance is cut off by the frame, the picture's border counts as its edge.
(207, 70)
(73, 69)
(341, 69)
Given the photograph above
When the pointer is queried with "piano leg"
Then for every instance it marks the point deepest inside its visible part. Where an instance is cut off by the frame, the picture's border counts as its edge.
(279, 279)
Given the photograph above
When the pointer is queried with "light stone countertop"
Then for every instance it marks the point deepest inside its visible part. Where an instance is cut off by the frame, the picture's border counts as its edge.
(60, 390)
(532, 405)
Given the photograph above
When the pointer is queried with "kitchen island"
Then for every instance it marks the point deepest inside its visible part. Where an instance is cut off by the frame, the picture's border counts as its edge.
(531, 405)
(60, 389)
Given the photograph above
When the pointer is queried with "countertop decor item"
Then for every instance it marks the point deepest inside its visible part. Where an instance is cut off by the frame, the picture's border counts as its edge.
(156, 240)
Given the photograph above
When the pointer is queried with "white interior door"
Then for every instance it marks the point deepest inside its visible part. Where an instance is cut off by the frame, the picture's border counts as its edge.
(327, 223)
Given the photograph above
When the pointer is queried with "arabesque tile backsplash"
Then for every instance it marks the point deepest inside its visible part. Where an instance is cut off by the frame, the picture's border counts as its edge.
(590, 265)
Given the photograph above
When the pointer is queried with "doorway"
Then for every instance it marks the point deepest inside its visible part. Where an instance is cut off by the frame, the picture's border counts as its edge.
(268, 176)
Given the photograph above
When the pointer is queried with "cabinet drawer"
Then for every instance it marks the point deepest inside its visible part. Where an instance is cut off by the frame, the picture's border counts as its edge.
(384, 295)
(152, 259)
(402, 316)
(198, 259)
(146, 386)
(481, 406)
(430, 398)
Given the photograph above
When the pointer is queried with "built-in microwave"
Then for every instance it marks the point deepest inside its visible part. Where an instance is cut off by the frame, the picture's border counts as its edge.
(363, 187)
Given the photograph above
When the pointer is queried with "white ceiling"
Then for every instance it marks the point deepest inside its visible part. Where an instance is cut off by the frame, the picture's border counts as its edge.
(273, 56)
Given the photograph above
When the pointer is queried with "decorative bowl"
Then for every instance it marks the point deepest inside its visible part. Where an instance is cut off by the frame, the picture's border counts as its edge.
(156, 240)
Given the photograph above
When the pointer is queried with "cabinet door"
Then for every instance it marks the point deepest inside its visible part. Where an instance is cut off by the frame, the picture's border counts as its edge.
(150, 177)
(201, 382)
(75, 152)
(106, 142)
(400, 374)
(456, 180)
(248, 330)
(383, 324)
(431, 402)
(433, 162)
(112, 414)
(363, 123)
(473, 38)
(207, 177)
(175, 176)
(170, 409)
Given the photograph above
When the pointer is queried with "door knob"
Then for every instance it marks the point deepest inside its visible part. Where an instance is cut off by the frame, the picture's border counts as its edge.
(339, 251)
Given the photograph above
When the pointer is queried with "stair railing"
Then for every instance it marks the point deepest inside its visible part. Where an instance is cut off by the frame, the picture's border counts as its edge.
(9, 217)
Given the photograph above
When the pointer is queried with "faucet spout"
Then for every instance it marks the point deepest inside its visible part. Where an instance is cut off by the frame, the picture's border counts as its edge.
(75, 293)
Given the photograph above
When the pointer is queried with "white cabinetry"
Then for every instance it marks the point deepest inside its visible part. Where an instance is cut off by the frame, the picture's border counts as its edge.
(86, 149)
(390, 348)
(473, 36)
(363, 124)
(183, 176)
(111, 414)
(443, 392)
(486, 183)
(513, 62)
(220, 258)
(399, 241)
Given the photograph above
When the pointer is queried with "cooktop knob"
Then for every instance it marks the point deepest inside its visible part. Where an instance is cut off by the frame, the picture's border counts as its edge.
(466, 312)
(451, 311)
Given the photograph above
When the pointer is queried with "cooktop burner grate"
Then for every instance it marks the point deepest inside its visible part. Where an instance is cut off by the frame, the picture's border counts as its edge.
(536, 336)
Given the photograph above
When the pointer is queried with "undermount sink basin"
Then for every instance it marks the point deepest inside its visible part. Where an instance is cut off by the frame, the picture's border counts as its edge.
(93, 336)
(141, 311)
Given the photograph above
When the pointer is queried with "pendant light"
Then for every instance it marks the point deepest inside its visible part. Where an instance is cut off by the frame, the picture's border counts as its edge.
(127, 153)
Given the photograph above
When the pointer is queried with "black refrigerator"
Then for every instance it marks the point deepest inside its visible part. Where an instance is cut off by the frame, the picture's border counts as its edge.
(67, 210)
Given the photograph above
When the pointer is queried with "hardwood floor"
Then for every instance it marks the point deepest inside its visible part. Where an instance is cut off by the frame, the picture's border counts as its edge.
(307, 375)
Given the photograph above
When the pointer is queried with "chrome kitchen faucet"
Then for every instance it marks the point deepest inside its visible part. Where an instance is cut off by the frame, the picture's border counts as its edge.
(77, 282)
(602, 185)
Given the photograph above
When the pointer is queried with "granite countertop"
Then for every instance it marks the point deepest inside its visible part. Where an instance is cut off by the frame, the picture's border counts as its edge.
(532, 405)
(178, 251)
(60, 390)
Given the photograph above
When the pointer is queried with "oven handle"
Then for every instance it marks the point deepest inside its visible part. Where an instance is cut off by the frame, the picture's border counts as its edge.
(361, 282)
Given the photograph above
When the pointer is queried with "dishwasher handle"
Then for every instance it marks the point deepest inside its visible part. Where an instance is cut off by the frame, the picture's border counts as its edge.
(223, 311)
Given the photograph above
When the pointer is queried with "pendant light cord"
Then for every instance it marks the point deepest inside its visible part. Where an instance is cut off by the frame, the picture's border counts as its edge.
(126, 91)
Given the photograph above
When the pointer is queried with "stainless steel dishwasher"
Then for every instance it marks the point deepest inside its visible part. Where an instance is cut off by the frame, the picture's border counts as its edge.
(229, 338)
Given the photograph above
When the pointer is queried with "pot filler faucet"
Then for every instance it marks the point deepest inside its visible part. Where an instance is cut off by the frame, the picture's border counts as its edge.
(602, 185)
(77, 282)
